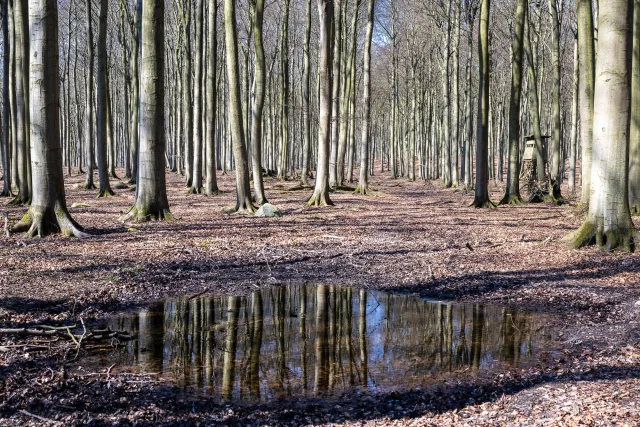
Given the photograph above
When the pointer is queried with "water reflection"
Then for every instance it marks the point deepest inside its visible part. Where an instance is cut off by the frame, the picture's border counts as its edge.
(301, 340)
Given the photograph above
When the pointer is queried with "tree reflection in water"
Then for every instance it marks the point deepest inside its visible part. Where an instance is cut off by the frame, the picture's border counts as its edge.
(315, 339)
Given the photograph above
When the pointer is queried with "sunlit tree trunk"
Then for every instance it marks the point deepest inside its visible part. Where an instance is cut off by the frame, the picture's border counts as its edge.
(363, 184)
(211, 183)
(6, 105)
(151, 190)
(455, 97)
(586, 58)
(573, 154)
(482, 168)
(320, 195)
(609, 221)
(634, 140)
(335, 107)
(512, 194)
(258, 104)
(243, 190)
(89, 184)
(306, 86)
(284, 93)
(102, 104)
(196, 177)
(556, 168)
(48, 211)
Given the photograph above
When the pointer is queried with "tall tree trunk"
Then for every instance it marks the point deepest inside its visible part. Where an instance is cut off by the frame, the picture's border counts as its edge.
(512, 194)
(634, 140)
(363, 185)
(482, 168)
(284, 94)
(243, 190)
(48, 211)
(446, 116)
(258, 104)
(21, 56)
(151, 190)
(335, 121)
(320, 195)
(102, 101)
(609, 219)
(455, 98)
(306, 87)
(187, 107)
(556, 167)
(586, 58)
(88, 184)
(211, 183)
(6, 105)
(196, 178)
(534, 109)
(574, 121)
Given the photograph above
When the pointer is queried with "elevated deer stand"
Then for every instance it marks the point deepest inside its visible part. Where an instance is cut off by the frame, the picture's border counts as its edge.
(530, 189)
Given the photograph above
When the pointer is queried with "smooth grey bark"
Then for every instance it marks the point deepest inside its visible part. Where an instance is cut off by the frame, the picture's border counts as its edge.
(482, 168)
(446, 116)
(335, 121)
(363, 184)
(534, 102)
(88, 183)
(455, 98)
(634, 133)
(104, 189)
(284, 94)
(6, 105)
(258, 104)
(48, 211)
(196, 177)
(609, 223)
(231, 341)
(320, 195)
(151, 201)
(306, 87)
(573, 150)
(243, 189)
(187, 107)
(21, 58)
(512, 193)
(211, 183)
(586, 58)
(556, 169)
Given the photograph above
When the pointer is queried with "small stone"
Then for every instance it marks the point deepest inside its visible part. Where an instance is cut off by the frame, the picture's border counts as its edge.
(268, 211)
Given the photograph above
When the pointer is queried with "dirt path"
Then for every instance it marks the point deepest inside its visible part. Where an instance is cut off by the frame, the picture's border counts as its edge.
(412, 237)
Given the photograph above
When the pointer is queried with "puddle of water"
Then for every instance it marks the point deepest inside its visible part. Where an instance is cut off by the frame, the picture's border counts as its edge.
(313, 339)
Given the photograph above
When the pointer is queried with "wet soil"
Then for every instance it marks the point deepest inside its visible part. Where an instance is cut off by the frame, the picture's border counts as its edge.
(412, 238)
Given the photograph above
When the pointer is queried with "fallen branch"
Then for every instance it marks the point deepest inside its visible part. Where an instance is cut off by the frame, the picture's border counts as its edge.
(65, 333)
(38, 417)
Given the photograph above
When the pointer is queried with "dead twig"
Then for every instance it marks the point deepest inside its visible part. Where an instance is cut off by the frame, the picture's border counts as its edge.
(38, 417)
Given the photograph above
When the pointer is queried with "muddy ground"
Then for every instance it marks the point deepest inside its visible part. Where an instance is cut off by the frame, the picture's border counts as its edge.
(408, 237)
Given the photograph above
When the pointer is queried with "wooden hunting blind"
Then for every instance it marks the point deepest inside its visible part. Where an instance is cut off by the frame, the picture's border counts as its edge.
(528, 171)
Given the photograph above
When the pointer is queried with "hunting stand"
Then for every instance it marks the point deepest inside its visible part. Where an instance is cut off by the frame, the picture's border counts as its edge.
(530, 189)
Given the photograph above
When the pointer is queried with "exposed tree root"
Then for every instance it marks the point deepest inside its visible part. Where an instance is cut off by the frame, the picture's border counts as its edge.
(245, 206)
(113, 175)
(40, 222)
(319, 200)
(635, 210)
(18, 201)
(145, 214)
(590, 233)
(511, 200)
(195, 190)
(556, 200)
(343, 187)
(108, 192)
(6, 193)
(87, 186)
(363, 191)
(300, 187)
(215, 192)
(482, 204)
(132, 180)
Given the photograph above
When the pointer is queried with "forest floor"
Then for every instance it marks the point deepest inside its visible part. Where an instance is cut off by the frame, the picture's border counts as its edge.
(408, 237)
